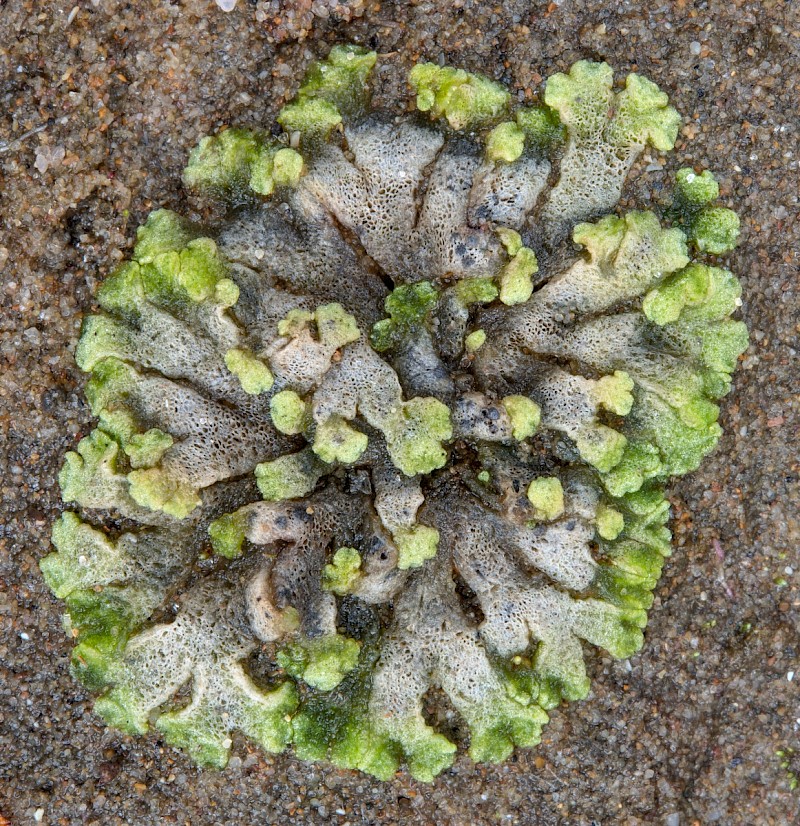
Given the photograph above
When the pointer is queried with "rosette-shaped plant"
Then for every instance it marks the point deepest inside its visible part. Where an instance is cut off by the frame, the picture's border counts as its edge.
(400, 425)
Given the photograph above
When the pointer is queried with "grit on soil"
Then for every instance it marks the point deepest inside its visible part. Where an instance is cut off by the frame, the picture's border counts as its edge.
(100, 103)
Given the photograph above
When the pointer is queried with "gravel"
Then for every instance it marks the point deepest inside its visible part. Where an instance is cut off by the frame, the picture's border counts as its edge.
(100, 104)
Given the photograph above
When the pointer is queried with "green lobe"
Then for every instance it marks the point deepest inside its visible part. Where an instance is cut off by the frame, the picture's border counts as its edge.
(546, 496)
(414, 437)
(505, 142)
(715, 230)
(322, 662)
(415, 546)
(146, 449)
(162, 232)
(92, 470)
(155, 489)
(336, 441)
(582, 97)
(695, 294)
(475, 340)
(525, 416)
(644, 116)
(408, 307)
(289, 412)
(475, 291)
(333, 89)
(466, 100)
(710, 228)
(237, 160)
(290, 476)
(501, 725)
(542, 128)
(253, 374)
(343, 572)
(695, 191)
(227, 534)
